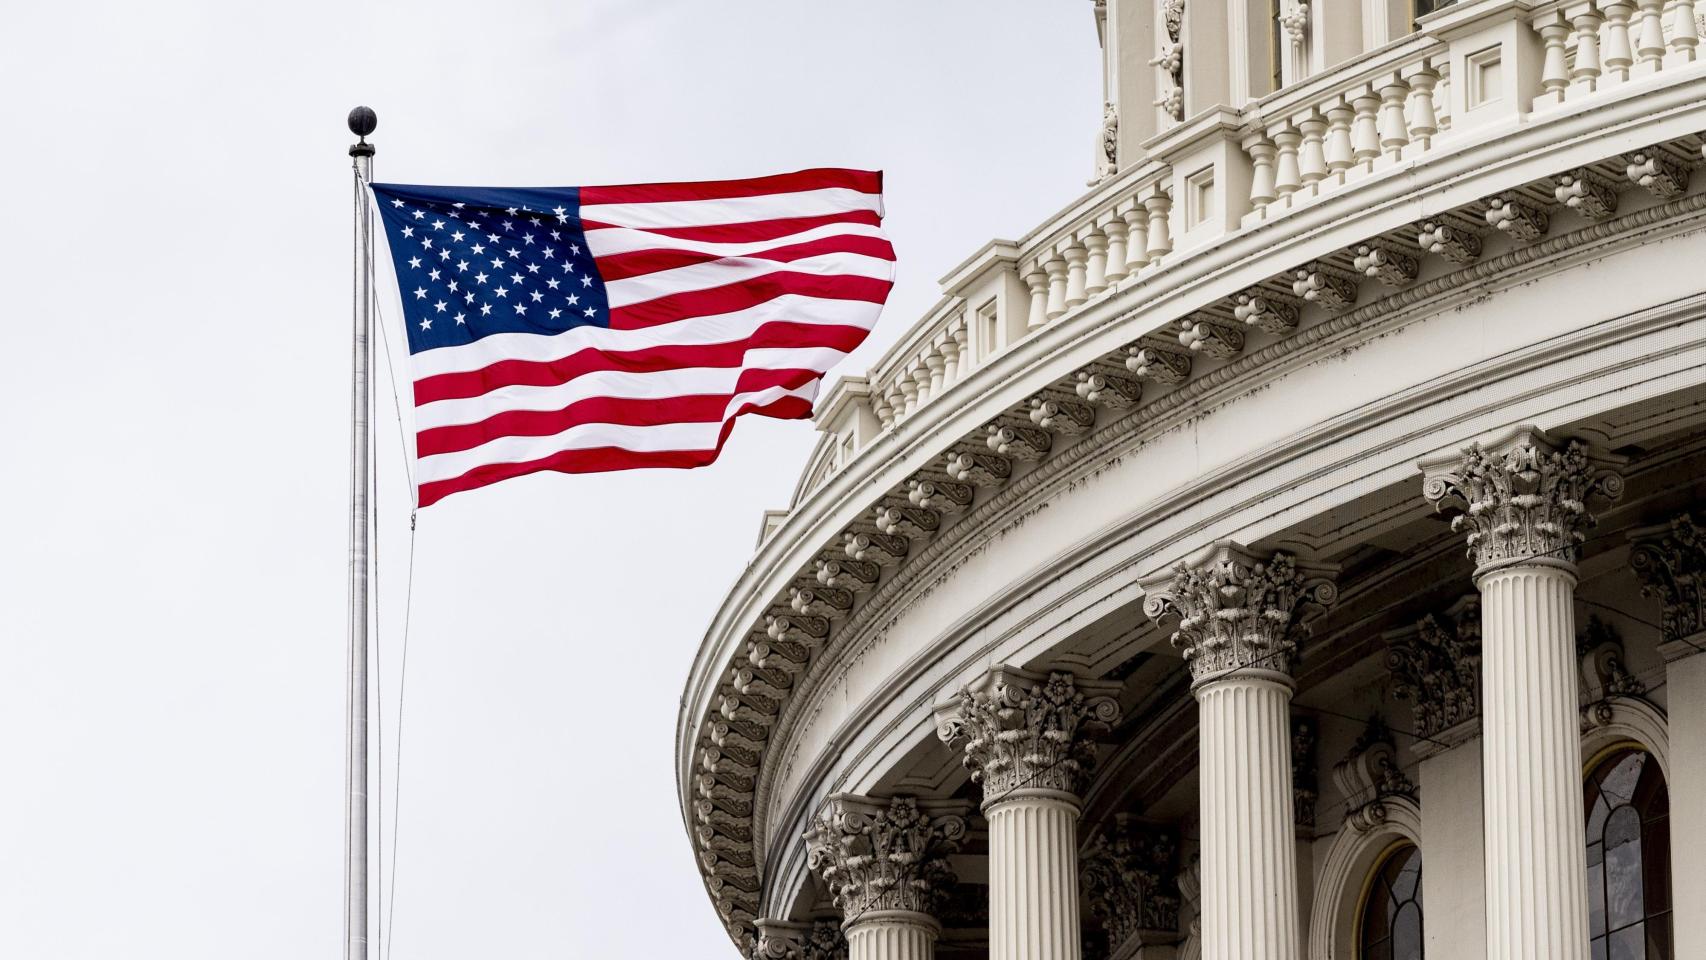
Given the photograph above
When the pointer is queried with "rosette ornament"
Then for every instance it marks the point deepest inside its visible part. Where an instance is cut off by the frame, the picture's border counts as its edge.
(884, 855)
(1238, 610)
(1522, 497)
(1020, 730)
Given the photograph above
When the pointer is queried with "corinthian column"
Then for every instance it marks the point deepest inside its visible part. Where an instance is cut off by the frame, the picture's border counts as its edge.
(884, 862)
(1522, 502)
(1238, 615)
(1025, 740)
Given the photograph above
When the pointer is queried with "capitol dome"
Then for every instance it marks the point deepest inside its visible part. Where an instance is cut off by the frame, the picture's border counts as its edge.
(1290, 550)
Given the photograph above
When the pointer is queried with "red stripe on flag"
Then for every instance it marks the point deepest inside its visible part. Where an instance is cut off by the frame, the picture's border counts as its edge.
(744, 294)
(621, 411)
(864, 181)
(752, 231)
(638, 263)
(550, 373)
(600, 459)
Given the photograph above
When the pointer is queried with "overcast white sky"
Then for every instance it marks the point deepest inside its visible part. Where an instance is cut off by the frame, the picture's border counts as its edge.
(174, 288)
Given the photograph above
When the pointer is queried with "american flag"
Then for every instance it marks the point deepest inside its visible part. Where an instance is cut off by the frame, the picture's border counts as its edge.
(581, 329)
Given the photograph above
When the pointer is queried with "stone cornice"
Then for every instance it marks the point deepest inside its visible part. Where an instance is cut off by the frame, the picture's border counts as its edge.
(1224, 381)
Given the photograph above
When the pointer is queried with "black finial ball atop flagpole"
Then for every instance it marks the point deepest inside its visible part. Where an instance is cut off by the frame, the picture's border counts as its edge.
(362, 121)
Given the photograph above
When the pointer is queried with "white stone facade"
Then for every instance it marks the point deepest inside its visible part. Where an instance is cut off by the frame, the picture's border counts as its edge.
(1287, 552)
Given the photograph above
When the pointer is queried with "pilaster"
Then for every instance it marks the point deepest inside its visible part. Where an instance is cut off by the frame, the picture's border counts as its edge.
(1670, 560)
(1522, 502)
(1238, 616)
(1129, 877)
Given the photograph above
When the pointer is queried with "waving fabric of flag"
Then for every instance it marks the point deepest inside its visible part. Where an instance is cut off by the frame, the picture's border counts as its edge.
(582, 329)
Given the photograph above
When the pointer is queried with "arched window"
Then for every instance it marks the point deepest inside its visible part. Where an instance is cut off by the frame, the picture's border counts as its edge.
(1391, 922)
(1628, 836)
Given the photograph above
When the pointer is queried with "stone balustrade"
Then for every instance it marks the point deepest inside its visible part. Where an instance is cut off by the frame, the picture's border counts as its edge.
(1470, 69)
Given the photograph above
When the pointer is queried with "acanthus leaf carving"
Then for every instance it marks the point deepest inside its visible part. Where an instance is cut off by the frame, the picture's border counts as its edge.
(1522, 497)
(1670, 562)
(1452, 242)
(1236, 609)
(1437, 667)
(1129, 874)
(884, 855)
(1022, 730)
(1370, 775)
(1265, 312)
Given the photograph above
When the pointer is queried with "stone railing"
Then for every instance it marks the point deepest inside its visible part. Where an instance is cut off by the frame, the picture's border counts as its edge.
(1385, 108)
(1474, 71)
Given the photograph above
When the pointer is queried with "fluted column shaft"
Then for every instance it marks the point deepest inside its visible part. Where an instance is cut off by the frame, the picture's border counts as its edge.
(892, 935)
(1522, 500)
(1532, 764)
(1033, 877)
(1249, 893)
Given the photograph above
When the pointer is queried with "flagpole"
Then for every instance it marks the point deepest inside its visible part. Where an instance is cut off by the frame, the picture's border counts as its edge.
(362, 121)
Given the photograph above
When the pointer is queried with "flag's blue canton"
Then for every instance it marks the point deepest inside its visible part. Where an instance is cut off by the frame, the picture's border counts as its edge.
(474, 261)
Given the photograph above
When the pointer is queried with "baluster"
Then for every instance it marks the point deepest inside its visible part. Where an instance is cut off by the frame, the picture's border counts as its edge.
(1076, 259)
(1096, 268)
(1160, 239)
(1423, 122)
(921, 378)
(1261, 152)
(1312, 156)
(1394, 128)
(1618, 57)
(1287, 178)
(1056, 268)
(1340, 154)
(1037, 281)
(908, 393)
(1685, 34)
(1651, 43)
(880, 406)
(1115, 231)
(955, 349)
(936, 366)
(1585, 75)
(1554, 69)
(1365, 128)
(1137, 237)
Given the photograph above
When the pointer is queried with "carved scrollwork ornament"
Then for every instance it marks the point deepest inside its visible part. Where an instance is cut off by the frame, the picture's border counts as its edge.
(1305, 786)
(1454, 243)
(1206, 335)
(1021, 731)
(1587, 194)
(1265, 312)
(1522, 498)
(1129, 876)
(1670, 562)
(1237, 610)
(1599, 647)
(1370, 775)
(1109, 390)
(1513, 215)
(1437, 668)
(883, 856)
(1162, 365)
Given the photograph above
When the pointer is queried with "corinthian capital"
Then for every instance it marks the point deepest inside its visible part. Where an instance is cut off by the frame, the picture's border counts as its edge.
(1129, 874)
(1237, 610)
(1026, 731)
(787, 940)
(1522, 497)
(1670, 560)
(1437, 667)
(885, 854)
